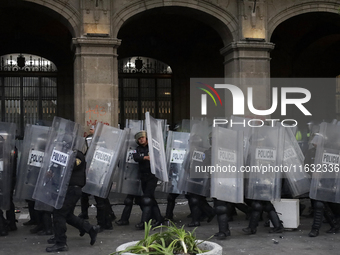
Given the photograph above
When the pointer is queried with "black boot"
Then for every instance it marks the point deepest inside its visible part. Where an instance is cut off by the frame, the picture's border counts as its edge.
(223, 227)
(253, 223)
(32, 212)
(103, 218)
(207, 209)
(3, 229)
(47, 222)
(333, 222)
(38, 228)
(124, 220)
(317, 221)
(57, 248)
(195, 216)
(274, 218)
(112, 215)
(156, 214)
(10, 216)
(146, 216)
(335, 227)
(169, 213)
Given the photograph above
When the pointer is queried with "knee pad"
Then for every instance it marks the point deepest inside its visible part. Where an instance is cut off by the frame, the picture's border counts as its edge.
(268, 207)
(256, 206)
(318, 205)
(194, 201)
(219, 203)
(128, 201)
(221, 209)
(147, 201)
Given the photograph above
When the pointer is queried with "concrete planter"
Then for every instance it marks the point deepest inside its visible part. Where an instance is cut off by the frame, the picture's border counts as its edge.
(214, 248)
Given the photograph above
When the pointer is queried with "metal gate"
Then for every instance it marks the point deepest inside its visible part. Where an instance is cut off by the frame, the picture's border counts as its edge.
(28, 90)
(145, 85)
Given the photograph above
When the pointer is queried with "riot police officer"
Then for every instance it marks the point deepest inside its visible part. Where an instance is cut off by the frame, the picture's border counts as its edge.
(149, 182)
(65, 214)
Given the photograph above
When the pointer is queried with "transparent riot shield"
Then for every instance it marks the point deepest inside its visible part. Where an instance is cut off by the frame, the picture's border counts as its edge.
(58, 163)
(195, 177)
(40, 206)
(32, 156)
(177, 147)
(102, 158)
(240, 123)
(156, 147)
(293, 163)
(325, 184)
(185, 126)
(128, 180)
(7, 145)
(136, 125)
(227, 159)
(265, 163)
(126, 177)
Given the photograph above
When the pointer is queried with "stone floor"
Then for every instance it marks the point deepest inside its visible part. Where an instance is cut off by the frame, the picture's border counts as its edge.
(290, 242)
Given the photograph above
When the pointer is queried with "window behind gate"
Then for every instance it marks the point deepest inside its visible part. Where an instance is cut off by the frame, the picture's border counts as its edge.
(145, 85)
(28, 90)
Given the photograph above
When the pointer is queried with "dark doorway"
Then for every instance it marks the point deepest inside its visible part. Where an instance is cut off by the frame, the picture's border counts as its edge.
(36, 30)
(179, 37)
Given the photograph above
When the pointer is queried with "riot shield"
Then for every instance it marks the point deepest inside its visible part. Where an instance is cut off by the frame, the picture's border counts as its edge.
(325, 184)
(32, 156)
(58, 163)
(40, 206)
(7, 145)
(265, 161)
(135, 125)
(128, 180)
(126, 177)
(227, 159)
(194, 177)
(240, 123)
(293, 160)
(176, 147)
(156, 148)
(102, 159)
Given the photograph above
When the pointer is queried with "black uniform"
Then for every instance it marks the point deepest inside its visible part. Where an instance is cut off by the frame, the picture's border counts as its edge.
(84, 200)
(149, 184)
(320, 208)
(65, 214)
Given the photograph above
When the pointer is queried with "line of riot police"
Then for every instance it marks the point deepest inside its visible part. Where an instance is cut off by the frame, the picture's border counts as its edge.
(110, 168)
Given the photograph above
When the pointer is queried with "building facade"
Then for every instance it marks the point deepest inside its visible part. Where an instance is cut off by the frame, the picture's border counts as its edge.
(86, 39)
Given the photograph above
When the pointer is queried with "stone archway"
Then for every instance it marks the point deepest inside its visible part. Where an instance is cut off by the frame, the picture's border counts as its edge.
(297, 9)
(37, 30)
(306, 46)
(70, 15)
(220, 19)
(190, 46)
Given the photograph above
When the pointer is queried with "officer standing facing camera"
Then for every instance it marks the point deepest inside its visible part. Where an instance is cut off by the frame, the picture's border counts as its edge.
(149, 182)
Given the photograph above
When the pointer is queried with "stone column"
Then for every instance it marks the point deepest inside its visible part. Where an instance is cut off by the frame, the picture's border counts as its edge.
(249, 59)
(96, 81)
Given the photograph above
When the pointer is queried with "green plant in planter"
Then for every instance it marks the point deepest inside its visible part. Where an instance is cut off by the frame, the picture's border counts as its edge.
(172, 241)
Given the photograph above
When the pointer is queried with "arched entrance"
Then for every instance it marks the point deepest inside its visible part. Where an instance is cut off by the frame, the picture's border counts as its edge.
(144, 86)
(179, 38)
(28, 86)
(307, 45)
(36, 30)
